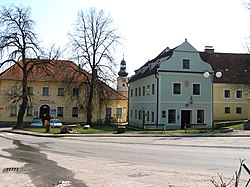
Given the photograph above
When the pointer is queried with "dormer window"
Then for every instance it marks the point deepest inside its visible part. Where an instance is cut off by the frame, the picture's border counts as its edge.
(186, 63)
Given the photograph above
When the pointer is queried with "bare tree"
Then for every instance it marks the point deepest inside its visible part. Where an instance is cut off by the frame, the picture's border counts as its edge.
(93, 44)
(19, 46)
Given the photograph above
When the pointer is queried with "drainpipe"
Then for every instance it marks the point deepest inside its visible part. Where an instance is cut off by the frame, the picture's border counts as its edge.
(128, 111)
(157, 96)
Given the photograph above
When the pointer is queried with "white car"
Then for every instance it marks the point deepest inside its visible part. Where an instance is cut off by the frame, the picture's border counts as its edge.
(55, 123)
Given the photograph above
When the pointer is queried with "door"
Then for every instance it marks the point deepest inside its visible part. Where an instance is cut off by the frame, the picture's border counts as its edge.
(185, 118)
(44, 111)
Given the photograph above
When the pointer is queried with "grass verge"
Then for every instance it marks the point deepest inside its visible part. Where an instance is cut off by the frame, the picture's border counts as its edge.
(109, 129)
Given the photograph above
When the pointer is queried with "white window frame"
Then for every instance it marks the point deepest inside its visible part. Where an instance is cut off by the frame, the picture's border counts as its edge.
(73, 113)
(78, 93)
(188, 61)
(204, 116)
(42, 93)
(30, 113)
(230, 92)
(13, 89)
(153, 89)
(193, 89)
(58, 91)
(148, 89)
(238, 107)
(58, 111)
(119, 112)
(173, 88)
(29, 90)
(241, 94)
(174, 116)
(14, 107)
(229, 110)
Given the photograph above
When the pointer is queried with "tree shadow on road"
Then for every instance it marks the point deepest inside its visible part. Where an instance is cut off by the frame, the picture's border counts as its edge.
(43, 172)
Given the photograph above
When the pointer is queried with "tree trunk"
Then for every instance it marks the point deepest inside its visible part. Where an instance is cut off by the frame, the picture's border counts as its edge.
(21, 113)
(91, 95)
(24, 103)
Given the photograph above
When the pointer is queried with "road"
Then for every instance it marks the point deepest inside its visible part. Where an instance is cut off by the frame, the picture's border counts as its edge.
(123, 161)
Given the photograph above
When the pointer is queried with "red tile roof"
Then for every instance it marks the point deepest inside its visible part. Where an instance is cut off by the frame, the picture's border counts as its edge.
(235, 67)
(56, 70)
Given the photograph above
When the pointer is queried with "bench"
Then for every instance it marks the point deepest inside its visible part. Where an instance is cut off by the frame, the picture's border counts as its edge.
(156, 127)
(197, 126)
(121, 128)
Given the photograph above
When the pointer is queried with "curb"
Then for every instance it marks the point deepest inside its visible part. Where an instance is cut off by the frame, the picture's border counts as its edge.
(225, 134)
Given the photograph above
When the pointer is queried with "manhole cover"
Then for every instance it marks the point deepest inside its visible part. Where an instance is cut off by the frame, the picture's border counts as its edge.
(11, 169)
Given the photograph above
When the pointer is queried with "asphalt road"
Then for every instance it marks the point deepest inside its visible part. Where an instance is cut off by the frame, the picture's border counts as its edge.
(123, 161)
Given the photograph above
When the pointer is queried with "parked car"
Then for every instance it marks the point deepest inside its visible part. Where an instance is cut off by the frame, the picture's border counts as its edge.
(36, 123)
(55, 123)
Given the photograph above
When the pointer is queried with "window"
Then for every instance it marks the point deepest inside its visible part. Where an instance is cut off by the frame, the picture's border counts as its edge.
(238, 110)
(119, 112)
(139, 91)
(30, 91)
(60, 111)
(148, 90)
(143, 90)
(135, 114)
(163, 114)
(131, 93)
(135, 92)
(140, 114)
(196, 89)
(152, 117)
(147, 115)
(153, 89)
(238, 94)
(108, 112)
(131, 113)
(227, 110)
(45, 90)
(227, 94)
(176, 88)
(186, 64)
(200, 116)
(13, 110)
(74, 111)
(13, 90)
(171, 116)
(60, 91)
(75, 92)
(29, 111)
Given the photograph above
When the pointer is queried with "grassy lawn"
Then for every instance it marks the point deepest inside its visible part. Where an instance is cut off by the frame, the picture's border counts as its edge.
(108, 129)
(237, 127)
(94, 129)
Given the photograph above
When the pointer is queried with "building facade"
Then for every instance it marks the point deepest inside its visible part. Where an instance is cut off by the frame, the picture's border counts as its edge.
(58, 90)
(171, 89)
(232, 89)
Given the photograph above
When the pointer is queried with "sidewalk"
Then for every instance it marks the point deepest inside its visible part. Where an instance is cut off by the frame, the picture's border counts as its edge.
(235, 133)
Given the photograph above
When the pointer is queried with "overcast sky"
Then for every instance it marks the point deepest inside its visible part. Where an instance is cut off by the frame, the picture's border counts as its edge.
(149, 26)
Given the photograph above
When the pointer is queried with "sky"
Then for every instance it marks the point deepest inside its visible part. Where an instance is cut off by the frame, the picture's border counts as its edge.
(149, 26)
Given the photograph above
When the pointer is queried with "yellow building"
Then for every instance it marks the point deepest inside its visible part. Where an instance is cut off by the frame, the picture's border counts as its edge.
(230, 92)
(59, 90)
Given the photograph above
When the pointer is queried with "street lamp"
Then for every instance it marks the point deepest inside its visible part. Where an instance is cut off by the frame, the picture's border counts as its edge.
(218, 74)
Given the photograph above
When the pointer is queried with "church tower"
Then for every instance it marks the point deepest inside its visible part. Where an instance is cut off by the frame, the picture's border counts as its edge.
(122, 80)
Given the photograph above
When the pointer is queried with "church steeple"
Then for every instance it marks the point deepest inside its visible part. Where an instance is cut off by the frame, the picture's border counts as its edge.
(123, 71)
(122, 80)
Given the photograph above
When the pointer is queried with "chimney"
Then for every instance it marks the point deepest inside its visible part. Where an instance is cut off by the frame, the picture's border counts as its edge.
(209, 49)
